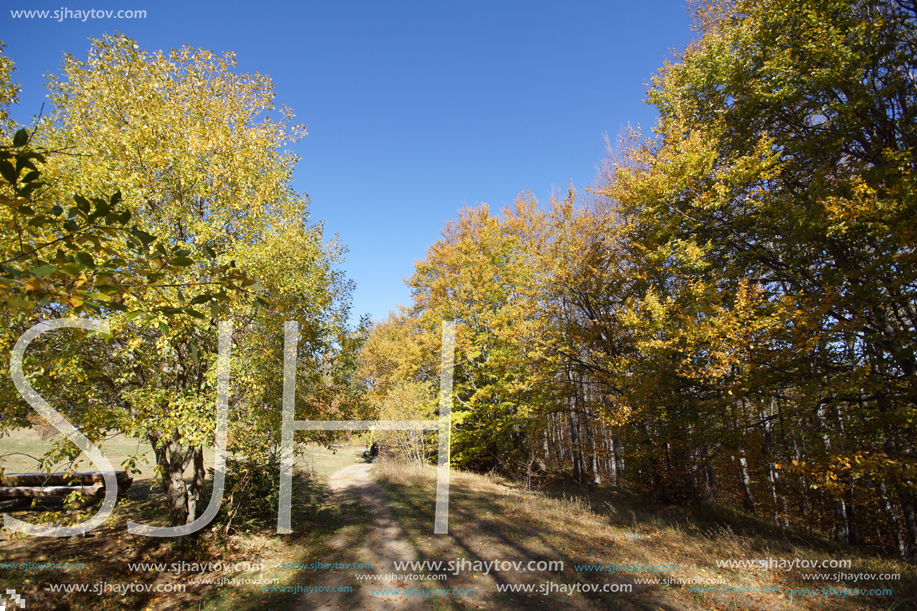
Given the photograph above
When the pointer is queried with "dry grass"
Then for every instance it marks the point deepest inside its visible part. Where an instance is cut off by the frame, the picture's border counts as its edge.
(492, 518)
(403, 472)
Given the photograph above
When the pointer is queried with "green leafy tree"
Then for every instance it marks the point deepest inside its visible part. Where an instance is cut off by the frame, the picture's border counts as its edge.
(181, 137)
(90, 259)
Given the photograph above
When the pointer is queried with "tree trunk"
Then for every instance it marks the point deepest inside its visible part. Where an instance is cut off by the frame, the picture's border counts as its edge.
(893, 521)
(173, 458)
(803, 486)
(748, 500)
(594, 458)
(575, 441)
(612, 463)
(910, 518)
(619, 458)
(771, 475)
(197, 482)
(546, 445)
(711, 481)
(853, 530)
(842, 528)
(708, 481)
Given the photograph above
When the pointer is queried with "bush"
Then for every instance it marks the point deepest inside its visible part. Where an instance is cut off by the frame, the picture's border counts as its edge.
(251, 495)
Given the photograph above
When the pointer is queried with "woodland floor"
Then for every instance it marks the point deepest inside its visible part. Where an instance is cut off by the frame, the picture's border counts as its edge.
(494, 519)
(347, 513)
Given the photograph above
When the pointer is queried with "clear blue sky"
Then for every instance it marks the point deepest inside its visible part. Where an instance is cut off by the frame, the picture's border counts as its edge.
(414, 109)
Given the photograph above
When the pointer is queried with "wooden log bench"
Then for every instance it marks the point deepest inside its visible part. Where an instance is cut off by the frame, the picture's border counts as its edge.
(89, 484)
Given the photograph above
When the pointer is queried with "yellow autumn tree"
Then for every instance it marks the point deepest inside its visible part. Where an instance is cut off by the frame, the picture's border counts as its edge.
(198, 153)
(774, 212)
(484, 275)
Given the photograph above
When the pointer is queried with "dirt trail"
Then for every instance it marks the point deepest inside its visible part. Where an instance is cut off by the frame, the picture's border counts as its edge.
(384, 544)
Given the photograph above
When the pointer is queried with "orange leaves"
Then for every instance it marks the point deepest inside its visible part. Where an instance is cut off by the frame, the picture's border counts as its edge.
(34, 284)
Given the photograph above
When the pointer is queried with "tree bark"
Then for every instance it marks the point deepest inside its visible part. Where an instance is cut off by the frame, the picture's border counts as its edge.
(910, 518)
(842, 527)
(575, 441)
(748, 500)
(619, 458)
(173, 458)
(893, 522)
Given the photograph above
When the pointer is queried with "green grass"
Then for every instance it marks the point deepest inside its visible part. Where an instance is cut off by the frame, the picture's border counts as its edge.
(22, 449)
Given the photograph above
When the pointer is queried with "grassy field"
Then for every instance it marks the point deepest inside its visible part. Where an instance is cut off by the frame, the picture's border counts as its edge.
(21, 452)
(102, 559)
(494, 519)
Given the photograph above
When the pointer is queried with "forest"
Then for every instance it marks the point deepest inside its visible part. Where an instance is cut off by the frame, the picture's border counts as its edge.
(728, 314)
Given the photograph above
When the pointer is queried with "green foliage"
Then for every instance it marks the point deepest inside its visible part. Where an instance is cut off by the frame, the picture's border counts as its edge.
(252, 494)
(80, 260)
(179, 136)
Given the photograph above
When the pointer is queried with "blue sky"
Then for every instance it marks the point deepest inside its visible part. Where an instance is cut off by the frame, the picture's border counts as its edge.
(414, 109)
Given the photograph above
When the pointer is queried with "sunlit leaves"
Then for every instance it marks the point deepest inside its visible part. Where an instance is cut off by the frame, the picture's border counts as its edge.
(203, 204)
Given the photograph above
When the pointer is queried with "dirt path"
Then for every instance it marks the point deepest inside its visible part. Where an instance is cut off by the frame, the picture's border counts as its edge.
(384, 544)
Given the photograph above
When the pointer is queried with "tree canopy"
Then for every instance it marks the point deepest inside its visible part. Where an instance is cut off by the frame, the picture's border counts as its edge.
(200, 164)
(730, 312)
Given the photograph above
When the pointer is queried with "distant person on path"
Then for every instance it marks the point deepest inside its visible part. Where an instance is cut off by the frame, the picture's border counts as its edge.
(374, 451)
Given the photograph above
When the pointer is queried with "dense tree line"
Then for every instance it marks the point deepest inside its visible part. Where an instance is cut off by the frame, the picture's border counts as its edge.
(730, 313)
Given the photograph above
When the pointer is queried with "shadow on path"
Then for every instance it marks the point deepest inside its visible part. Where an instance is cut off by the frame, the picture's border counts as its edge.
(384, 544)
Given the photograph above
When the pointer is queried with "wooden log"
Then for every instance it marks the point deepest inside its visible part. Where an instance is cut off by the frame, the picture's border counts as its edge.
(13, 492)
(62, 479)
(89, 484)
